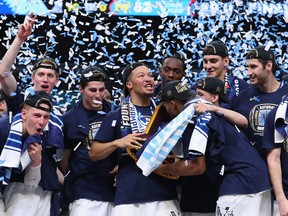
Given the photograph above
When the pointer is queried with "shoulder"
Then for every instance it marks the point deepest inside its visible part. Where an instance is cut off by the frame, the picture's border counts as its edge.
(5, 127)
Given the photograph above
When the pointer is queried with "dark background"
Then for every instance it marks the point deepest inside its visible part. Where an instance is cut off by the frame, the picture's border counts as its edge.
(77, 39)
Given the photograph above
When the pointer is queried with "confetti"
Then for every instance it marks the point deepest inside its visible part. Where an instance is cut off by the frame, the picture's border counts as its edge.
(77, 38)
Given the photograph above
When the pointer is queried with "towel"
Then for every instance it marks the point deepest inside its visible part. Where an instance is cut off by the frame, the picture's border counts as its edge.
(199, 138)
(281, 129)
(55, 133)
(10, 156)
(14, 154)
(161, 145)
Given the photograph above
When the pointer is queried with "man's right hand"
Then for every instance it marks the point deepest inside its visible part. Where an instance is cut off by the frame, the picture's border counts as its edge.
(25, 29)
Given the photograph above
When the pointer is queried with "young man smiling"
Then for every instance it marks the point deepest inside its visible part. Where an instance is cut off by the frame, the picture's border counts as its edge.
(215, 63)
(88, 186)
(135, 193)
(264, 95)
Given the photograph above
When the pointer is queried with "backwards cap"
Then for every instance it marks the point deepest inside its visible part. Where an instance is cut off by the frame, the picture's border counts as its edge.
(92, 73)
(48, 63)
(216, 48)
(36, 98)
(260, 52)
(213, 85)
(127, 71)
(176, 90)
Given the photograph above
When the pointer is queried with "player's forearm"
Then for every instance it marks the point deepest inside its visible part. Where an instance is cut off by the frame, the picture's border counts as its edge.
(184, 167)
(8, 81)
(64, 163)
(275, 172)
(101, 151)
(233, 117)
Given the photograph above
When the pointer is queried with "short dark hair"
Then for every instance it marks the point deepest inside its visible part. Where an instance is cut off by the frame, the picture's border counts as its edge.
(175, 55)
(263, 55)
(127, 71)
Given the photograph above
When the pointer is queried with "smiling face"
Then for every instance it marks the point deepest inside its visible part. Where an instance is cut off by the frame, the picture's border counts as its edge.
(140, 82)
(44, 79)
(93, 95)
(215, 66)
(34, 120)
(257, 72)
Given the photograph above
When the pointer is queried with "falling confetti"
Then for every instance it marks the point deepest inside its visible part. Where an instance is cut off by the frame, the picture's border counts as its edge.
(78, 35)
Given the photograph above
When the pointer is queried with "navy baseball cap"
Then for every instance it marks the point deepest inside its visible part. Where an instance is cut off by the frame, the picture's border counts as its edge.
(213, 85)
(127, 71)
(92, 73)
(260, 52)
(176, 90)
(36, 98)
(46, 62)
(216, 48)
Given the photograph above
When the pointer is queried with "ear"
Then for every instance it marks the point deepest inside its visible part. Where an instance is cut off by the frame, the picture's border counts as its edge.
(80, 89)
(226, 61)
(269, 65)
(57, 80)
(129, 85)
(23, 114)
(214, 98)
(33, 77)
(1, 106)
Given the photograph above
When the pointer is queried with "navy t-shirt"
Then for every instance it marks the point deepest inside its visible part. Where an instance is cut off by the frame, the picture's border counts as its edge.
(131, 185)
(243, 164)
(245, 172)
(255, 106)
(86, 179)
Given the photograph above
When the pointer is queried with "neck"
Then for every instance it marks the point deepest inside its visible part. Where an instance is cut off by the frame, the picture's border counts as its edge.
(24, 131)
(270, 86)
(140, 101)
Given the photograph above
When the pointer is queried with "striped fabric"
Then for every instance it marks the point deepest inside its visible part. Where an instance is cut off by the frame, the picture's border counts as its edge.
(161, 145)
(281, 128)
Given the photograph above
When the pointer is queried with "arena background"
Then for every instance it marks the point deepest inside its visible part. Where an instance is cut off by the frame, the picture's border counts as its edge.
(115, 33)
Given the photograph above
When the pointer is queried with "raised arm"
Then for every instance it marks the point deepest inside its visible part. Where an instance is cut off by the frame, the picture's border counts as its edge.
(230, 115)
(8, 81)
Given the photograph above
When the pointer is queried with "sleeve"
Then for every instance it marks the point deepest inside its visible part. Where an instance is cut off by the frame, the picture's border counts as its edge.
(67, 142)
(110, 127)
(14, 103)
